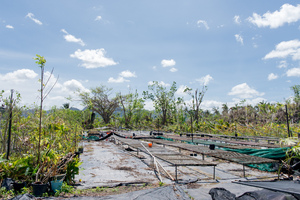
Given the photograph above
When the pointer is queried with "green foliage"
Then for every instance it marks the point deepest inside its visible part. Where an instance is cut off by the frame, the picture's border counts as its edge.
(164, 101)
(65, 188)
(6, 194)
(72, 170)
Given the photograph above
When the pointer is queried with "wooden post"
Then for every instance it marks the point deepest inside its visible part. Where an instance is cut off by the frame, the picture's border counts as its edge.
(9, 125)
(176, 173)
(214, 177)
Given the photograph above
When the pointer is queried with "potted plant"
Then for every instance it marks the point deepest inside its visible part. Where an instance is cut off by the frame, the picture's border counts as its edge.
(44, 171)
(19, 170)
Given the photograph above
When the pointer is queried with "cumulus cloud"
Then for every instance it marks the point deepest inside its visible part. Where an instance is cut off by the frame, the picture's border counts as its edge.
(159, 83)
(239, 38)
(72, 86)
(272, 76)
(9, 26)
(19, 75)
(244, 91)
(293, 72)
(31, 16)
(98, 18)
(71, 38)
(285, 49)
(127, 74)
(204, 23)
(122, 76)
(180, 90)
(210, 104)
(93, 58)
(168, 63)
(117, 80)
(237, 19)
(287, 14)
(205, 80)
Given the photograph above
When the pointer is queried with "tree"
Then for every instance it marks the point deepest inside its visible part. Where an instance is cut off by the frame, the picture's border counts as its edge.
(197, 97)
(100, 102)
(41, 61)
(296, 90)
(164, 101)
(130, 104)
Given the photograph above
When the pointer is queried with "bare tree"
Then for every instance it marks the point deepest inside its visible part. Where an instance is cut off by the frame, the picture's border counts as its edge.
(197, 97)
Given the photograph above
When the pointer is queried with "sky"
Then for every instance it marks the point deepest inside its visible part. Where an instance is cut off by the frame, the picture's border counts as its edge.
(241, 50)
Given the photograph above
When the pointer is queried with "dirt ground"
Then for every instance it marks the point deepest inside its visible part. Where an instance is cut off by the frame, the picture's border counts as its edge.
(111, 169)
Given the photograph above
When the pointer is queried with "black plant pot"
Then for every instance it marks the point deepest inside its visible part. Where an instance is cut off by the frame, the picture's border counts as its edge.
(39, 189)
(18, 186)
(80, 149)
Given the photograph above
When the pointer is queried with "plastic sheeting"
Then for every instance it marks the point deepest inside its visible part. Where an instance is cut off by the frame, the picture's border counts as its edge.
(223, 194)
(272, 153)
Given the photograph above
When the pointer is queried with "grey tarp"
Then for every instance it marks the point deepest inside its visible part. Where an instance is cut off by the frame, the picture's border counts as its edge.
(223, 194)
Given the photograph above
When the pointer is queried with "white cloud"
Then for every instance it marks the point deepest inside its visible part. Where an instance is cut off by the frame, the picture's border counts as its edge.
(159, 83)
(180, 90)
(168, 63)
(210, 104)
(93, 58)
(202, 22)
(127, 74)
(272, 76)
(122, 76)
(244, 91)
(118, 80)
(9, 26)
(70, 38)
(98, 18)
(237, 19)
(72, 86)
(282, 64)
(154, 67)
(287, 14)
(19, 75)
(205, 79)
(293, 72)
(52, 81)
(285, 49)
(239, 38)
(173, 69)
(31, 16)
(148, 105)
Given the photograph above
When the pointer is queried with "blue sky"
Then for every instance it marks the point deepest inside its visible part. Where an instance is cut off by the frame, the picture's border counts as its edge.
(238, 49)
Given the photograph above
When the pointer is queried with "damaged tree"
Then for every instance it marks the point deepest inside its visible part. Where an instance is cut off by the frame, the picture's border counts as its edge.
(130, 104)
(41, 61)
(98, 99)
